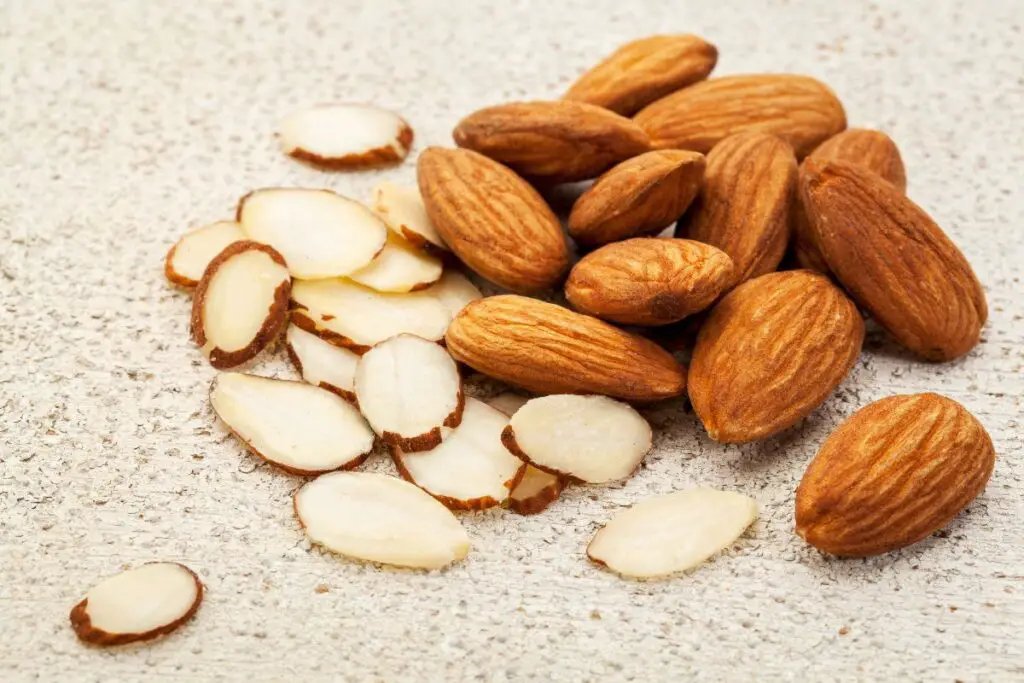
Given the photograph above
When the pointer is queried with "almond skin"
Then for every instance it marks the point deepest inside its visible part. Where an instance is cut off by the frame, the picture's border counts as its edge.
(643, 71)
(548, 349)
(648, 280)
(896, 471)
(492, 219)
(552, 141)
(744, 206)
(893, 259)
(638, 197)
(801, 110)
(770, 353)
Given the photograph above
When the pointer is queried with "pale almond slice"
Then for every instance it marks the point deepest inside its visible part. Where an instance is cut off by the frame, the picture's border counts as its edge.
(594, 439)
(455, 291)
(399, 268)
(138, 604)
(319, 233)
(321, 363)
(187, 260)
(377, 518)
(241, 303)
(470, 469)
(345, 136)
(409, 388)
(508, 402)
(535, 491)
(403, 210)
(672, 533)
(298, 427)
(356, 317)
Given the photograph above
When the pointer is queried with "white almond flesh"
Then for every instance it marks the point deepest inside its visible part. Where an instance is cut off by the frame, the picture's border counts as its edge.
(399, 267)
(595, 439)
(455, 291)
(348, 314)
(319, 233)
(298, 427)
(508, 402)
(470, 469)
(377, 518)
(187, 260)
(403, 210)
(345, 136)
(672, 533)
(409, 388)
(321, 363)
(137, 604)
(535, 491)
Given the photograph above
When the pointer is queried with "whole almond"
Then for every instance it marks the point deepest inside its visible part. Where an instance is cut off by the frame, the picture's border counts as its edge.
(548, 349)
(770, 352)
(893, 259)
(898, 470)
(492, 219)
(552, 141)
(638, 197)
(801, 110)
(744, 206)
(643, 71)
(648, 280)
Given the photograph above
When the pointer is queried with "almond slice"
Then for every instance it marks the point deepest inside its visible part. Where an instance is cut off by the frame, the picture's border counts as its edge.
(138, 604)
(403, 210)
(188, 258)
(671, 533)
(591, 438)
(470, 469)
(508, 402)
(320, 233)
(399, 267)
(408, 388)
(298, 427)
(378, 518)
(345, 136)
(241, 303)
(356, 317)
(455, 291)
(535, 491)
(321, 363)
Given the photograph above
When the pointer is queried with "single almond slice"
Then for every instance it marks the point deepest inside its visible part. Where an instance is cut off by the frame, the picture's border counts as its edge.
(454, 290)
(321, 363)
(403, 210)
(345, 136)
(320, 233)
(377, 518)
(409, 388)
(241, 303)
(508, 402)
(399, 267)
(298, 427)
(671, 533)
(138, 604)
(470, 469)
(356, 317)
(188, 258)
(591, 438)
(535, 491)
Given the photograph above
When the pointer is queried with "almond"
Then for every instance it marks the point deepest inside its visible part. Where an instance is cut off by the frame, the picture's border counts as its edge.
(801, 110)
(548, 349)
(552, 141)
(638, 197)
(893, 259)
(535, 491)
(770, 353)
(454, 291)
(896, 471)
(649, 281)
(492, 219)
(321, 363)
(189, 257)
(744, 206)
(643, 71)
(399, 267)
(343, 136)
(401, 208)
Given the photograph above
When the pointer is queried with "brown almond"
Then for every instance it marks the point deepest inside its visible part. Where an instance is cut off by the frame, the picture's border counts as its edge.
(896, 471)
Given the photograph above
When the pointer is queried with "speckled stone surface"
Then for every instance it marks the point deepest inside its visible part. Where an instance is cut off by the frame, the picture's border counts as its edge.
(125, 123)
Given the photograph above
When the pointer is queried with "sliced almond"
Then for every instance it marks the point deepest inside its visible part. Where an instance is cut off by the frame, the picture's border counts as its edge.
(298, 427)
(591, 438)
(403, 210)
(672, 533)
(138, 604)
(377, 518)
(187, 260)
(345, 136)
(409, 388)
(399, 267)
(455, 291)
(508, 402)
(320, 233)
(321, 363)
(535, 491)
(241, 303)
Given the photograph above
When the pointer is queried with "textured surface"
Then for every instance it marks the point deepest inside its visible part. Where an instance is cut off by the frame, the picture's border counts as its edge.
(126, 123)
